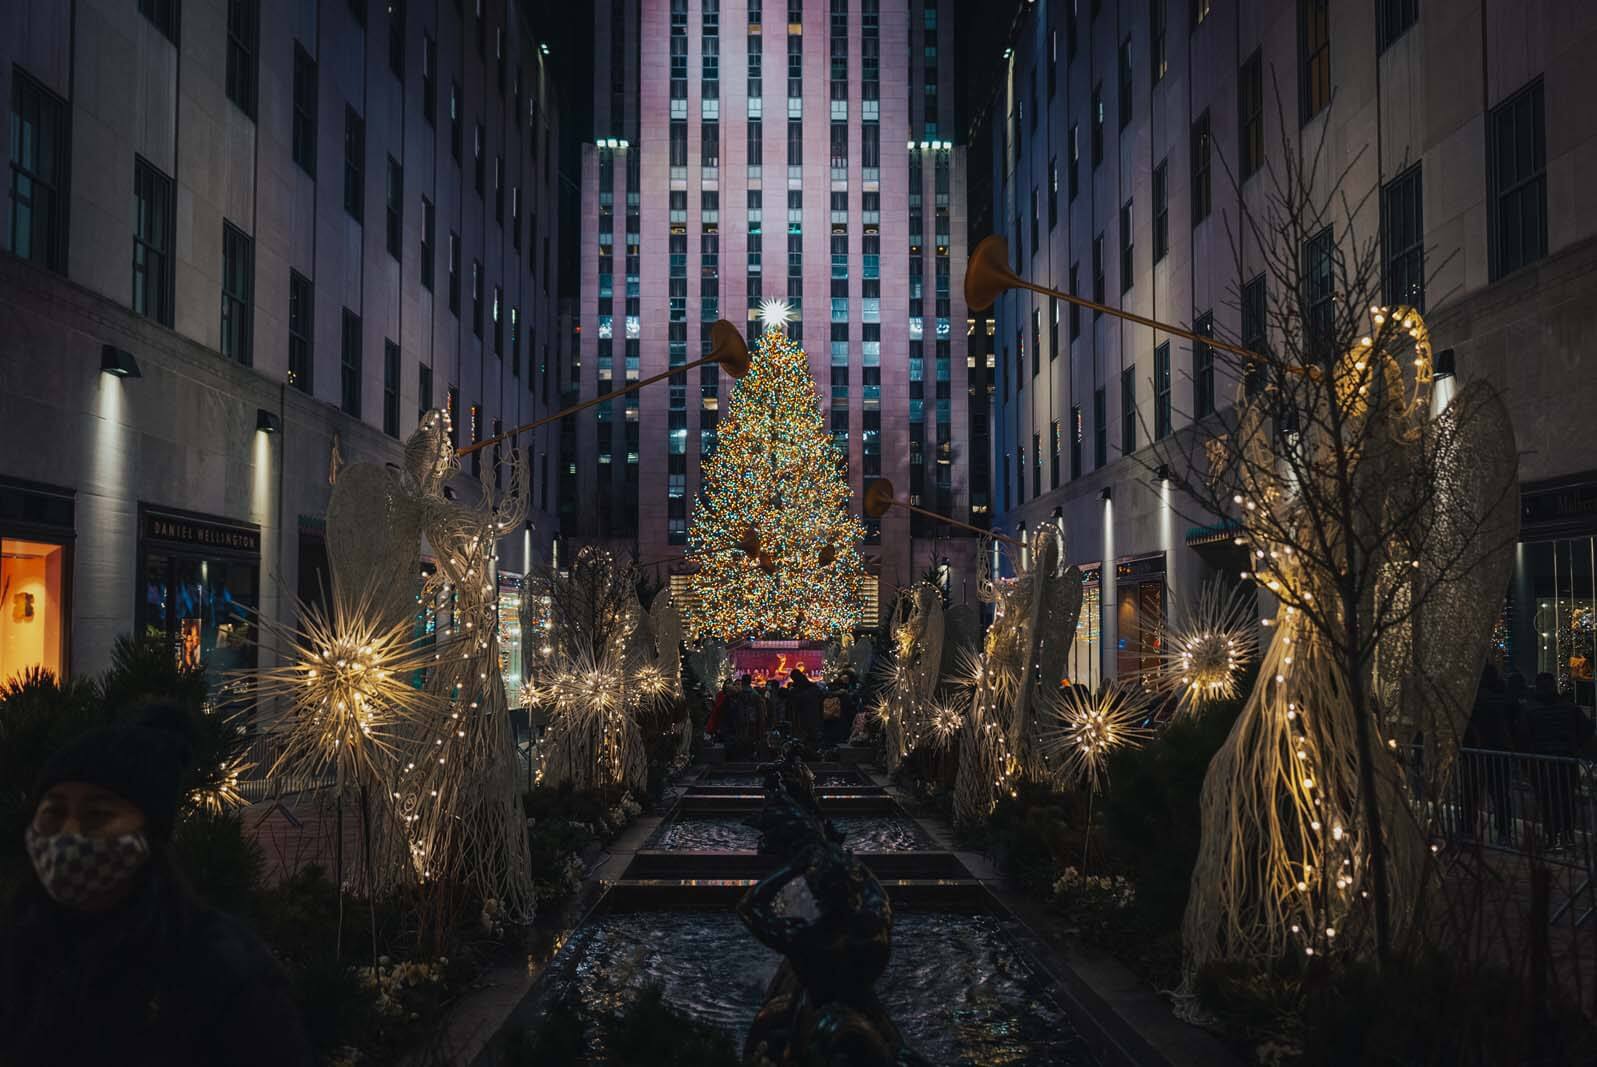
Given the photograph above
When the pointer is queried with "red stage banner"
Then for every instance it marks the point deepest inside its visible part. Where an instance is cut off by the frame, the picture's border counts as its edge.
(766, 662)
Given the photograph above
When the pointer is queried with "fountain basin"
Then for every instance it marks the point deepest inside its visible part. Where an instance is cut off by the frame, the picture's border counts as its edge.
(887, 831)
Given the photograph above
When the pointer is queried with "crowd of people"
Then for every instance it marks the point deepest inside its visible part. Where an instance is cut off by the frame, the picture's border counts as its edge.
(821, 714)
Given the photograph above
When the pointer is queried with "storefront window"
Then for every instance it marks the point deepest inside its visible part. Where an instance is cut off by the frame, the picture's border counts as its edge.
(510, 636)
(1082, 662)
(200, 588)
(32, 607)
(1139, 614)
(1558, 583)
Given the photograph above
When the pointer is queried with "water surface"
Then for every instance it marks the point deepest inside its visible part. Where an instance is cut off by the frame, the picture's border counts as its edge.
(729, 833)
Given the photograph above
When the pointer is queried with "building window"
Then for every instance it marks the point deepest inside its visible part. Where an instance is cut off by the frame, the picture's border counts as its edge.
(396, 38)
(1201, 10)
(476, 297)
(1128, 411)
(1159, 34)
(424, 390)
(429, 79)
(39, 142)
(1097, 273)
(454, 273)
(396, 209)
(1075, 161)
(1097, 124)
(354, 163)
(1200, 169)
(499, 189)
(1314, 57)
(1100, 428)
(499, 322)
(1203, 368)
(305, 88)
(238, 293)
(453, 401)
(1036, 226)
(1517, 170)
(152, 242)
(1076, 435)
(1125, 82)
(1403, 236)
(1053, 456)
(1250, 115)
(454, 121)
(243, 30)
(427, 223)
(164, 14)
(1161, 391)
(1075, 309)
(390, 388)
(1125, 248)
(479, 161)
(1254, 333)
(350, 364)
(1161, 210)
(301, 316)
(1053, 193)
(1053, 329)
(1319, 288)
(1393, 19)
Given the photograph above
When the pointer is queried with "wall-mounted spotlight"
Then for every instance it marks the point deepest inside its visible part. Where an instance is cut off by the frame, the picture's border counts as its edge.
(1446, 364)
(1107, 494)
(267, 421)
(1163, 473)
(118, 362)
(1059, 511)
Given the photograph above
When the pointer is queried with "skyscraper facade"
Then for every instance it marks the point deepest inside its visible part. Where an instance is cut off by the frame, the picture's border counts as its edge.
(1132, 140)
(243, 239)
(801, 150)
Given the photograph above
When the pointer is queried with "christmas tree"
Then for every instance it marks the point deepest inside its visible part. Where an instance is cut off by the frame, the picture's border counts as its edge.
(776, 548)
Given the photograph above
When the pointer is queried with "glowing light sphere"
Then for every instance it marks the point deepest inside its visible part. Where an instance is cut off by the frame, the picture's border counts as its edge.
(1088, 727)
(1199, 663)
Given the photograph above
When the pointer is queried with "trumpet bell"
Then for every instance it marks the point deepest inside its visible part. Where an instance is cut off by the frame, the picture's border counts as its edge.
(728, 348)
(987, 273)
(879, 497)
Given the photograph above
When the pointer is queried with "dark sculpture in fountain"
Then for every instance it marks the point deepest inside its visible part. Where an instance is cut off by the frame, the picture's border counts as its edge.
(828, 915)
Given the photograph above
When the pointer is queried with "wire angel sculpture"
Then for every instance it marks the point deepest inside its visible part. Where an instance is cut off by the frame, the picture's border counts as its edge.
(918, 656)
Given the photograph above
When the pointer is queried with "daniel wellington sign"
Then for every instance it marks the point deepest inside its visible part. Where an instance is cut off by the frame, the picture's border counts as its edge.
(193, 531)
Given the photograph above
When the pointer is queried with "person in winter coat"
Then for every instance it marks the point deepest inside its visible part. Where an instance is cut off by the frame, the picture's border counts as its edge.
(107, 956)
(804, 706)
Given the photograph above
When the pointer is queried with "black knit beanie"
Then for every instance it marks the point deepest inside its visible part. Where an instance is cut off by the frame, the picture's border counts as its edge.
(140, 761)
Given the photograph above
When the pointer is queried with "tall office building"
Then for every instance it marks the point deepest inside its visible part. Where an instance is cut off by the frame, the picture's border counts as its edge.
(240, 237)
(754, 149)
(1131, 138)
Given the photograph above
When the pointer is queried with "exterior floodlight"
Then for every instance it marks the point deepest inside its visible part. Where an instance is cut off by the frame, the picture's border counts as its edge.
(1107, 494)
(267, 422)
(1445, 364)
(118, 362)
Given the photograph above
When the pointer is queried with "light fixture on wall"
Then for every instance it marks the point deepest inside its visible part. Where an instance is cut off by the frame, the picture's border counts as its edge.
(118, 362)
(267, 422)
(1163, 473)
(1445, 365)
(1107, 494)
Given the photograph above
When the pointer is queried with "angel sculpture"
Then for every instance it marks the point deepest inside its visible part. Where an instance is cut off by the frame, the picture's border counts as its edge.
(918, 640)
(1310, 829)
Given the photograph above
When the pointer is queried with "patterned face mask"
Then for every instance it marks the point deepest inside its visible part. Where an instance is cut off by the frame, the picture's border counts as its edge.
(78, 871)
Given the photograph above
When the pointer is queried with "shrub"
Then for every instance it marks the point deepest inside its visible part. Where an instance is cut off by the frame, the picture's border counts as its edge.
(222, 863)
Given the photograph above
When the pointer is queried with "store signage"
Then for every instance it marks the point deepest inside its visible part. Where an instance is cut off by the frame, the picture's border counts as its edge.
(192, 532)
(1146, 567)
(1566, 509)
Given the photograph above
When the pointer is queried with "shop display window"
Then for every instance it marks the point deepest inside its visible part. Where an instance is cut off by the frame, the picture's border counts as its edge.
(32, 607)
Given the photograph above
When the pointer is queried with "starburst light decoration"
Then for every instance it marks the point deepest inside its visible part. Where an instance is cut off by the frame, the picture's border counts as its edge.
(1200, 661)
(775, 313)
(1087, 728)
(223, 794)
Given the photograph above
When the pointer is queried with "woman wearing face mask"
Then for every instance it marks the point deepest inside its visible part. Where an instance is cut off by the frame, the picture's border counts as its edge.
(107, 956)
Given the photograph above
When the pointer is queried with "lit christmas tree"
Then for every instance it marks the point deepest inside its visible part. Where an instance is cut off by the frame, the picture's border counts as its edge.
(776, 548)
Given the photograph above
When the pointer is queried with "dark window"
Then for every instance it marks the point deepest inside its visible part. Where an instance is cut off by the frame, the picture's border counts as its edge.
(396, 42)
(1128, 411)
(454, 273)
(39, 143)
(238, 293)
(476, 297)
(1393, 19)
(1053, 62)
(1097, 272)
(454, 121)
(1125, 247)
(429, 79)
(1250, 115)
(1036, 465)
(390, 388)
(305, 88)
(301, 317)
(1100, 428)
(1036, 340)
(1036, 225)
(1314, 57)
(1518, 174)
(354, 163)
(1161, 391)
(1053, 193)
(1201, 10)
(427, 223)
(1097, 124)
(1200, 169)
(1403, 236)
(1126, 79)
(1053, 456)
(1203, 368)
(1158, 50)
(424, 390)
(479, 161)
(1070, 28)
(499, 189)
(243, 31)
(350, 364)
(1161, 210)
(396, 206)
(357, 10)
(454, 414)
(1076, 435)
(1075, 160)
(152, 242)
(1075, 309)
(476, 437)
(498, 315)
(710, 144)
(1254, 334)
(164, 14)
(1319, 288)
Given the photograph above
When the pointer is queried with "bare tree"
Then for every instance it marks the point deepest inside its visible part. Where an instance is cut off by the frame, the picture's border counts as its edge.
(1381, 521)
